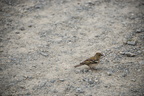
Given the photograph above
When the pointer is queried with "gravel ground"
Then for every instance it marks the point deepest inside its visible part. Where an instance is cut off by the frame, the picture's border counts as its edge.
(42, 40)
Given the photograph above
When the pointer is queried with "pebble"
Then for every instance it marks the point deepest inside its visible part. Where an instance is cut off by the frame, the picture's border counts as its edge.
(42, 83)
(52, 81)
(141, 62)
(133, 43)
(91, 3)
(139, 70)
(107, 86)
(79, 90)
(128, 54)
(69, 87)
(44, 54)
(29, 25)
(89, 95)
(109, 73)
(1, 40)
(17, 32)
(55, 91)
(85, 79)
(134, 90)
(90, 81)
(134, 80)
(62, 80)
(38, 6)
(1, 69)
(85, 70)
(124, 74)
(27, 94)
(77, 71)
(139, 30)
(139, 52)
(22, 28)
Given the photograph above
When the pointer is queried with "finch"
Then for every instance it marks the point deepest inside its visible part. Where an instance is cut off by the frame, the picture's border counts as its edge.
(92, 61)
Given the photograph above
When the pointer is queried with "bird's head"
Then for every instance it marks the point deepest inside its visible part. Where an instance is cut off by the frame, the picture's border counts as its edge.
(98, 54)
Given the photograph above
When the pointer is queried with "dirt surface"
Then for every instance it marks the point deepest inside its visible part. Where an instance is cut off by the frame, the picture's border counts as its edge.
(42, 40)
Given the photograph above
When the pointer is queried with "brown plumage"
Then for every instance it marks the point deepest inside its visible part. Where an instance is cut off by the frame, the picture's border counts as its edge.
(92, 61)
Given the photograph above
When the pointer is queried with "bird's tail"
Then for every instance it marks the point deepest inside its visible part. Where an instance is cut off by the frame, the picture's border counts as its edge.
(77, 65)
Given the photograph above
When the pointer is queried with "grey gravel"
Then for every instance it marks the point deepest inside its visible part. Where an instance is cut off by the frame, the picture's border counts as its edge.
(17, 32)
(79, 90)
(107, 86)
(139, 30)
(1, 69)
(90, 81)
(124, 74)
(42, 84)
(44, 54)
(62, 80)
(22, 28)
(134, 80)
(42, 41)
(133, 43)
(128, 54)
(141, 62)
(109, 73)
(52, 81)
(85, 70)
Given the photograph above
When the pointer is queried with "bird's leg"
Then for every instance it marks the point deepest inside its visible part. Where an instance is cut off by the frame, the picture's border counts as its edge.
(91, 68)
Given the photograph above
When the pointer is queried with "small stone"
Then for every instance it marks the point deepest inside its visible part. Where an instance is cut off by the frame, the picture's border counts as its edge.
(38, 6)
(52, 81)
(1, 40)
(133, 43)
(122, 53)
(96, 80)
(69, 87)
(85, 70)
(90, 81)
(55, 91)
(139, 52)
(128, 54)
(134, 90)
(62, 80)
(77, 71)
(91, 3)
(124, 74)
(141, 62)
(134, 80)
(42, 83)
(139, 70)
(79, 90)
(1, 69)
(139, 30)
(109, 73)
(27, 94)
(107, 86)
(1, 51)
(89, 95)
(22, 28)
(29, 25)
(17, 32)
(85, 79)
(44, 54)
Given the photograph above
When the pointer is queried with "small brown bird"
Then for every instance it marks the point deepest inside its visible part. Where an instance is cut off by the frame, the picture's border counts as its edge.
(92, 61)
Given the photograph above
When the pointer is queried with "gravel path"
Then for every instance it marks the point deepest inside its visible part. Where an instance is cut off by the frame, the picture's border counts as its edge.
(42, 40)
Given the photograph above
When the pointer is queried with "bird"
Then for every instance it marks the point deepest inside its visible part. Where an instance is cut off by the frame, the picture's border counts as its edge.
(92, 61)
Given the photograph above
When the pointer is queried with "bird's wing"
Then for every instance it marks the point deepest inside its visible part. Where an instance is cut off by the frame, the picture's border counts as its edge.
(89, 61)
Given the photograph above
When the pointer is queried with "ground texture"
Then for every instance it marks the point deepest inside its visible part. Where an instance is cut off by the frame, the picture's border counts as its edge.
(42, 40)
